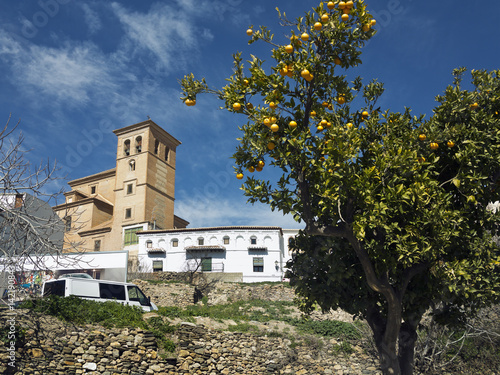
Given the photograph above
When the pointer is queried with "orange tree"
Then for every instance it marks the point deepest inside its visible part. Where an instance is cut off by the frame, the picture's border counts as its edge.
(394, 206)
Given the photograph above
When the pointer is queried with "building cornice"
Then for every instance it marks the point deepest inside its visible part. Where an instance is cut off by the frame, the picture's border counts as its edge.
(224, 228)
(93, 177)
(147, 124)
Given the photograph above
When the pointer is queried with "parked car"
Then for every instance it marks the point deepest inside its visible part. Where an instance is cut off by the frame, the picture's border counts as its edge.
(99, 291)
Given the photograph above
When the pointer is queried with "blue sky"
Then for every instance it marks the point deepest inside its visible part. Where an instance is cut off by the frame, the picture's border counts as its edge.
(74, 71)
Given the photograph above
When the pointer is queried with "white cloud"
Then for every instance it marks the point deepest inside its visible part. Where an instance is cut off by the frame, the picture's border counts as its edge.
(64, 74)
(91, 18)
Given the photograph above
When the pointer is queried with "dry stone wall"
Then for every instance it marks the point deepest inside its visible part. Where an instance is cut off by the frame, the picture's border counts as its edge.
(54, 347)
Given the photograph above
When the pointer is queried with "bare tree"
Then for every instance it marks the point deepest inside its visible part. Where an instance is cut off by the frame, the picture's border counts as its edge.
(31, 233)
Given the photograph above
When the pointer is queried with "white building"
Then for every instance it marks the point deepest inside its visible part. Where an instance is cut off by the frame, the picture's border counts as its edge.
(257, 253)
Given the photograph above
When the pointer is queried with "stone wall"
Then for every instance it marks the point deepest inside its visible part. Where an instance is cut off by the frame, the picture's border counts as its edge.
(182, 294)
(53, 347)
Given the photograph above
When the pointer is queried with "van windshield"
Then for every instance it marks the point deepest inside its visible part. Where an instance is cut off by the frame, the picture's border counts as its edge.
(135, 294)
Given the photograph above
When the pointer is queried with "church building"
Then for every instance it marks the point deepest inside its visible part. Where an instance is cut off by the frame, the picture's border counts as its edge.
(104, 211)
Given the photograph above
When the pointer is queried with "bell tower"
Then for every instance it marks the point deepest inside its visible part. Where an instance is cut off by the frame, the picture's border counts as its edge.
(145, 178)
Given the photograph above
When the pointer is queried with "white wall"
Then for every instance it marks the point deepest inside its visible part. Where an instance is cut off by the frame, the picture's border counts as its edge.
(238, 255)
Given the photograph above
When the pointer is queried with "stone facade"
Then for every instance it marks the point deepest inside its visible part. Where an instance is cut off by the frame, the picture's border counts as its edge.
(103, 211)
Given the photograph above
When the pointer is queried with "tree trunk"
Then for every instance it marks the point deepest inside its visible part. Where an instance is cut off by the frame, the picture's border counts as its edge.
(406, 352)
(386, 346)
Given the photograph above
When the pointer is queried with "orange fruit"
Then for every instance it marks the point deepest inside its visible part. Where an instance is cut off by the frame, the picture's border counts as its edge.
(325, 104)
(349, 125)
(190, 102)
(328, 124)
(267, 121)
(342, 5)
(304, 37)
(239, 176)
(337, 61)
(450, 144)
(324, 18)
(305, 73)
(318, 26)
(275, 127)
(323, 122)
(365, 114)
(320, 128)
(434, 146)
(474, 106)
(313, 113)
(251, 169)
(246, 82)
(373, 22)
(260, 164)
(292, 124)
(341, 99)
(289, 48)
(366, 28)
(330, 106)
(249, 32)
(346, 10)
(258, 169)
(349, 4)
(330, 5)
(422, 137)
(345, 17)
(273, 105)
(273, 120)
(270, 146)
(249, 106)
(236, 106)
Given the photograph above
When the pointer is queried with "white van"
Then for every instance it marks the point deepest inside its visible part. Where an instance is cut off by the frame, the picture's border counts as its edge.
(99, 290)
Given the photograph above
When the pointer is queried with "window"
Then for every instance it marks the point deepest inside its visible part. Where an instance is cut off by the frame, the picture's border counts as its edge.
(157, 265)
(97, 245)
(135, 294)
(67, 223)
(55, 288)
(258, 264)
(157, 146)
(175, 242)
(130, 189)
(201, 241)
(130, 236)
(131, 165)
(226, 240)
(93, 189)
(206, 264)
(126, 148)
(138, 144)
(167, 151)
(253, 241)
(112, 291)
(149, 244)
(128, 213)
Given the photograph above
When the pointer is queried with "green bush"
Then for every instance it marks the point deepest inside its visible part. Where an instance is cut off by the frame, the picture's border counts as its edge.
(326, 328)
(81, 311)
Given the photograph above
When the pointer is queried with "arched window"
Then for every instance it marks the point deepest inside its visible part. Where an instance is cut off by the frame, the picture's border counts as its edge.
(138, 144)
(131, 165)
(253, 240)
(167, 151)
(126, 147)
(157, 146)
